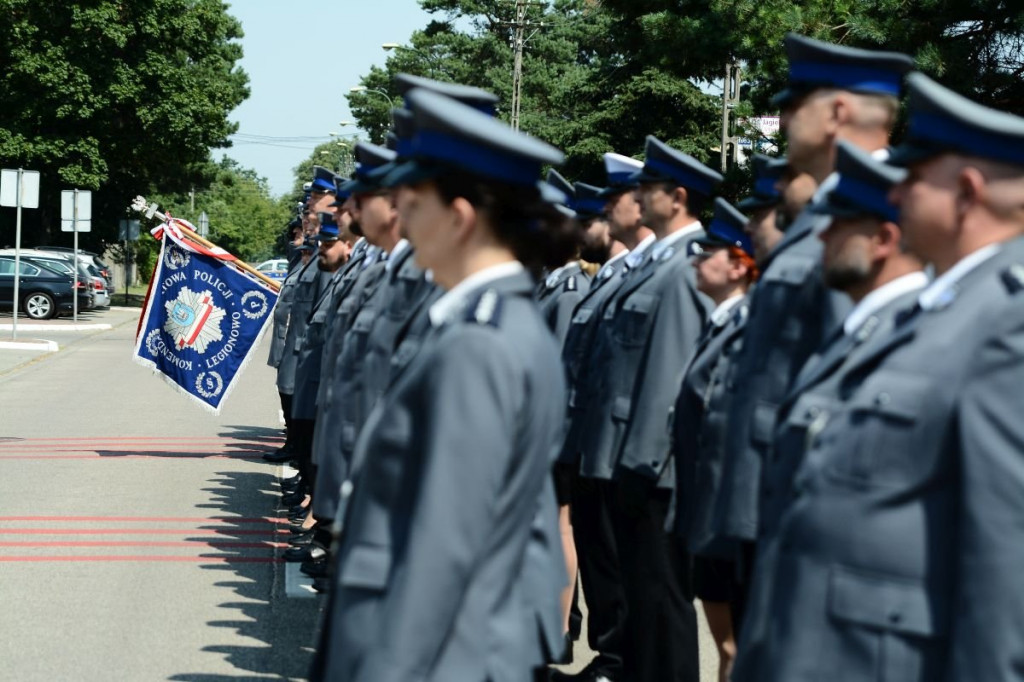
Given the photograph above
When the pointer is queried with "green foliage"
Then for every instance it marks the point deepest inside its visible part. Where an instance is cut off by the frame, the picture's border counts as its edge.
(121, 98)
(334, 155)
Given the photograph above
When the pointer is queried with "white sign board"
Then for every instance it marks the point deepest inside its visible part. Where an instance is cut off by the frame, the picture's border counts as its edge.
(67, 211)
(768, 126)
(29, 188)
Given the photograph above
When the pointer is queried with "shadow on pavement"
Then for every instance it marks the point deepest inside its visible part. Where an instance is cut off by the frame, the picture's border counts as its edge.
(281, 629)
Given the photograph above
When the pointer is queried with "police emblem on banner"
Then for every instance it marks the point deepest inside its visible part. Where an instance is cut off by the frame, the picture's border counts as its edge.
(201, 323)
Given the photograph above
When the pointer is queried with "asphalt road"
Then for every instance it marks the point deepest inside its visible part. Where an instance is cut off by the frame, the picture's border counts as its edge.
(138, 533)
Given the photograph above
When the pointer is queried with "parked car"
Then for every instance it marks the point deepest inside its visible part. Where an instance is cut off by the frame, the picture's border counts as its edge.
(43, 291)
(275, 268)
(90, 259)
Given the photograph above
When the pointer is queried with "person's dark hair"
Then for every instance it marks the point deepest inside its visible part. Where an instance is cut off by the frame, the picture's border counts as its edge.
(538, 235)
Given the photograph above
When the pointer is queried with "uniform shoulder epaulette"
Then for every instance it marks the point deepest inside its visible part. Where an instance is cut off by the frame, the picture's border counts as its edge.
(570, 284)
(1013, 278)
(485, 308)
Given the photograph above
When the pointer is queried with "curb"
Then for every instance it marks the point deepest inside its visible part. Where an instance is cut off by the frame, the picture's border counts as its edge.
(46, 346)
(58, 327)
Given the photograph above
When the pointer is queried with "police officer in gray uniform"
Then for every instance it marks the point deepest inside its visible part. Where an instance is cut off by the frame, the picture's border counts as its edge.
(899, 553)
(461, 444)
(791, 310)
(649, 329)
(279, 334)
(561, 290)
(725, 271)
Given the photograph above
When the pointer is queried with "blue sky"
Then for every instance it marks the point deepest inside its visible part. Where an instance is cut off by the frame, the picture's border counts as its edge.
(301, 64)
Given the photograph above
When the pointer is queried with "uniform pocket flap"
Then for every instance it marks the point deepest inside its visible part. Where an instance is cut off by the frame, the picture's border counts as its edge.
(888, 603)
(621, 408)
(366, 566)
(808, 409)
(792, 270)
(762, 429)
(639, 303)
(363, 321)
(582, 315)
(892, 394)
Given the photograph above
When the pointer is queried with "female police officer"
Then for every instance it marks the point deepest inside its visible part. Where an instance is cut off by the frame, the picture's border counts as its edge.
(438, 574)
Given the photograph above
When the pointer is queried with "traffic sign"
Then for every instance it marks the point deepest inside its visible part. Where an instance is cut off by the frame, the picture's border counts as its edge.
(128, 230)
(29, 188)
(75, 210)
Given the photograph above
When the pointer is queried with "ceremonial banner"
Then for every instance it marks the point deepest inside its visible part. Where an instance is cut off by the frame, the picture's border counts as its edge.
(201, 322)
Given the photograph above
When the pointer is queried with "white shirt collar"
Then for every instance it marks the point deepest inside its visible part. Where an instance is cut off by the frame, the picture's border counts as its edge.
(938, 293)
(396, 253)
(634, 257)
(669, 240)
(453, 300)
(723, 311)
(880, 297)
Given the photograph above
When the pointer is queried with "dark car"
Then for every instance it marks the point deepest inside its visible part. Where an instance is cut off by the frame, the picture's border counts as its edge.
(43, 292)
(91, 259)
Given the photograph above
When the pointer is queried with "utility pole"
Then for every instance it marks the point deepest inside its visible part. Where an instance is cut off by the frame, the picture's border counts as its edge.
(192, 201)
(518, 43)
(730, 98)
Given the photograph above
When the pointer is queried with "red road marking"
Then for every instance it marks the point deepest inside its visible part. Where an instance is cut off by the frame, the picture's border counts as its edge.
(116, 543)
(148, 519)
(141, 559)
(139, 531)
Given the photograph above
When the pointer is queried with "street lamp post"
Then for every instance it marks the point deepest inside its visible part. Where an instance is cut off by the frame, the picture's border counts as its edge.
(391, 104)
(388, 47)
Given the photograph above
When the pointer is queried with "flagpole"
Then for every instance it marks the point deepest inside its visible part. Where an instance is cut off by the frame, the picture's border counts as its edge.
(140, 205)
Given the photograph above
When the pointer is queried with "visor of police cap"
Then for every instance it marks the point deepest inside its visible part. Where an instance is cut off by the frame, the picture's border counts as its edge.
(558, 181)
(815, 64)
(323, 180)
(588, 202)
(941, 121)
(862, 188)
(663, 163)
(727, 228)
(452, 136)
(620, 173)
(481, 100)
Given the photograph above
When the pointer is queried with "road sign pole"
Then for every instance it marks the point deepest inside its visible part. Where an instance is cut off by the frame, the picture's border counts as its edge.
(74, 228)
(17, 255)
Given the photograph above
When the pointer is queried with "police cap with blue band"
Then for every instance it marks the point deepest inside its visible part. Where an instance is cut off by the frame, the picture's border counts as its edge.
(727, 228)
(480, 100)
(323, 180)
(369, 158)
(453, 136)
(558, 181)
(767, 171)
(588, 202)
(862, 189)
(942, 122)
(341, 191)
(662, 163)
(620, 172)
(814, 64)
(328, 231)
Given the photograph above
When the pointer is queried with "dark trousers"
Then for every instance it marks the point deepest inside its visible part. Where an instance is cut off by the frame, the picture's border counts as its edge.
(303, 447)
(286, 407)
(598, 563)
(660, 643)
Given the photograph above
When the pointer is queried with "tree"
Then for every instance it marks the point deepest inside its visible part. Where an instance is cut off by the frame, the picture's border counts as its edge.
(116, 97)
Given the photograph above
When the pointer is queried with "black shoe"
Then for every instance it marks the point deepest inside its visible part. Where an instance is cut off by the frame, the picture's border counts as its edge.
(290, 485)
(301, 539)
(317, 567)
(306, 553)
(323, 584)
(293, 499)
(282, 454)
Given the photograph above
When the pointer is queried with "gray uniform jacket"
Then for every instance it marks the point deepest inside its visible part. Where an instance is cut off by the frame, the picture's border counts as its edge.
(558, 297)
(355, 287)
(281, 312)
(576, 348)
(310, 348)
(430, 580)
(698, 432)
(305, 296)
(792, 312)
(648, 332)
(899, 555)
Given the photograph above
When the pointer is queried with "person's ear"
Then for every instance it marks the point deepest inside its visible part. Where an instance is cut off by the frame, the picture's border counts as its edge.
(463, 218)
